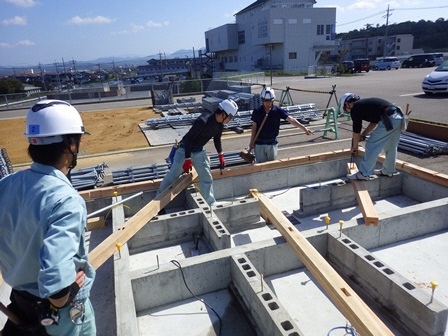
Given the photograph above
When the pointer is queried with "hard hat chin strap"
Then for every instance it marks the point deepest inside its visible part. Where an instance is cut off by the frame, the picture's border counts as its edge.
(72, 164)
(74, 155)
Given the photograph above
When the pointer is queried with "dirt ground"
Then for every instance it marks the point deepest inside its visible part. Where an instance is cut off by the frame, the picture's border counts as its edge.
(111, 130)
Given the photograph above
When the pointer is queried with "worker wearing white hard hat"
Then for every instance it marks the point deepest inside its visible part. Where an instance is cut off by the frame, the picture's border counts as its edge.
(190, 150)
(43, 256)
(266, 125)
(383, 130)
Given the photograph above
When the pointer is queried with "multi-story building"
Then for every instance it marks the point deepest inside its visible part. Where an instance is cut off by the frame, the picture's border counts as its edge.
(378, 46)
(283, 35)
(168, 66)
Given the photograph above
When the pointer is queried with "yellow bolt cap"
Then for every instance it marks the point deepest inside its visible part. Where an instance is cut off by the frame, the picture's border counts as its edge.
(434, 284)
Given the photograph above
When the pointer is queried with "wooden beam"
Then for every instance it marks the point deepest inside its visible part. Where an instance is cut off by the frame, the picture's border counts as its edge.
(345, 299)
(362, 195)
(129, 188)
(414, 170)
(95, 223)
(122, 189)
(108, 246)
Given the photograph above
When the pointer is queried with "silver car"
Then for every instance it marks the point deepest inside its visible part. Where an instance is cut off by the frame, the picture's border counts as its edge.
(386, 63)
(437, 81)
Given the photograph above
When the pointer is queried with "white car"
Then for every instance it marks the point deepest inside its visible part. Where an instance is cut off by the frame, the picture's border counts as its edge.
(386, 63)
(437, 81)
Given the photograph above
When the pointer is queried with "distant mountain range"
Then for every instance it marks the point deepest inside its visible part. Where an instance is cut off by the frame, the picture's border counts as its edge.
(104, 62)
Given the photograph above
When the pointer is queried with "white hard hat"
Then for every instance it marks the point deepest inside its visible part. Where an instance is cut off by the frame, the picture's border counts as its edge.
(347, 98)
(48, 120)
(229, 106)
(268, 93)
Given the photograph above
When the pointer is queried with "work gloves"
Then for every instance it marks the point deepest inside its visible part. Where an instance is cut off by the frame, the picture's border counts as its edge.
(222, 161)
(187, 165)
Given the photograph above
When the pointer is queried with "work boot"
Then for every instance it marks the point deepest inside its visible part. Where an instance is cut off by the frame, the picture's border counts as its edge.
(380, 172)
(357, 176)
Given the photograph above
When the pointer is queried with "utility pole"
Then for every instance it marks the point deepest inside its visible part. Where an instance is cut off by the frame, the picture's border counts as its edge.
(387, 28)
(270, 60)
(194, 65)
(57, 75)
(65, 71)
(161, 68)
(42, 77)
(73, 71)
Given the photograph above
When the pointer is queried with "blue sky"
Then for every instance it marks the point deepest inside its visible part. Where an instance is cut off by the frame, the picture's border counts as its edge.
(44, 31)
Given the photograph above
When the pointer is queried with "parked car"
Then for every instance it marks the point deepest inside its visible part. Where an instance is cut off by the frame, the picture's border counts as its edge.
(344, 67)
(362, 65)
(386, 63)
(419, 61)
(438, 58)
(437, 81)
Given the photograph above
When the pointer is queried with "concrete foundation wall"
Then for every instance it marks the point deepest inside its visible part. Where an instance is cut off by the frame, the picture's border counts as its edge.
(243, 267)
(167, 230)
(265, 309)
(402, 224)
(328, 196)
(406, 304)
(422, 190)
(280, 179)
(124, 303)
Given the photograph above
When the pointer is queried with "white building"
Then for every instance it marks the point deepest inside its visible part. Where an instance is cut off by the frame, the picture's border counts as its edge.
(283, 35)
(373, 47)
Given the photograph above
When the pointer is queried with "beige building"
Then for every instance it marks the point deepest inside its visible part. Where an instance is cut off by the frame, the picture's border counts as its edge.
(373, 47)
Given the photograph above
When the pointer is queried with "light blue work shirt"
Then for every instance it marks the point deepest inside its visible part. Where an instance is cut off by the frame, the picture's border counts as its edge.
(42, 225)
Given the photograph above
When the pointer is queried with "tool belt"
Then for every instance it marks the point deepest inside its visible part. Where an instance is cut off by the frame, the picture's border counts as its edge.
(385, 117)
(28, 308)
(193, 150)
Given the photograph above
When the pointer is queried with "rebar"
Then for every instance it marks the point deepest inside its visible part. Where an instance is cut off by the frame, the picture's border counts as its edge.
(421, 145)
(88, 177)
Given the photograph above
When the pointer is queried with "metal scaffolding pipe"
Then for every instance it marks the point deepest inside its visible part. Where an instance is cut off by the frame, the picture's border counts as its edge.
(112, 205)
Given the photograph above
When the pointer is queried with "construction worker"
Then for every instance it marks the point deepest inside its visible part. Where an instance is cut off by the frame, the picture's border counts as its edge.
(190, 151)
(42, 223)
(384, 130)
(266, 124)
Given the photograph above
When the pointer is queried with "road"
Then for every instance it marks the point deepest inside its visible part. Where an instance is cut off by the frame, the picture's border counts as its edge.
(402, 86)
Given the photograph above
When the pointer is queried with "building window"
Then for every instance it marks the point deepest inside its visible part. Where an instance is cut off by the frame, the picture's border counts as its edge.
(292, 55)
(263, 28)
(398, 40)
(241, 37)
(320, 29)
(398, 47)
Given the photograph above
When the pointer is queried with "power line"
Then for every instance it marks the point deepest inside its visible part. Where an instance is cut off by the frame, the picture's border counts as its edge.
(367, 17)
(419, 8)
(383, 12)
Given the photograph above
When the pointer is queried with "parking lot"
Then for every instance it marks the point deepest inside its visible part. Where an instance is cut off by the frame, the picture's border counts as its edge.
(402, 86)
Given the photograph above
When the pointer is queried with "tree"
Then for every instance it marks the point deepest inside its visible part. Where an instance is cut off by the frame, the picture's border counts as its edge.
(428, 35)
(10, 85)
